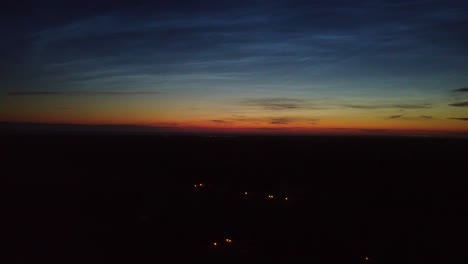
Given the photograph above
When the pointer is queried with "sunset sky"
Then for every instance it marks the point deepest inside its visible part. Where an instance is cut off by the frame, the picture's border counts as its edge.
(283, 66)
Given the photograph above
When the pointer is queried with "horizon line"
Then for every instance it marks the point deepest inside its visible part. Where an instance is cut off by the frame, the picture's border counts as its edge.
(167, 129)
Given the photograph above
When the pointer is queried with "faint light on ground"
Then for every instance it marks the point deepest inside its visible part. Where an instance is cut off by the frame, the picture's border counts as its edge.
(200, 185)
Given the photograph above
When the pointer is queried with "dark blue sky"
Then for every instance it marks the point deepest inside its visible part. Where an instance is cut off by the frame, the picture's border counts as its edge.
(332, 53)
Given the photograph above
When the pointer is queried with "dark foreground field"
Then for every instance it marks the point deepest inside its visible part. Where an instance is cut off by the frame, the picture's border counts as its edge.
(132, 199)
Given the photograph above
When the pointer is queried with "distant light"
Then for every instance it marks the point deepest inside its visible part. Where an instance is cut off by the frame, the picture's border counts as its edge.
(200, 185)
(228, 240)
(286, 198)
(271, 196)
(215, 244)
(367, 258)
(245, 193)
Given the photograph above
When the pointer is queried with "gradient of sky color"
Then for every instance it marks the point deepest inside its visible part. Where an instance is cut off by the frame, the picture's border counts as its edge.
(238, 65)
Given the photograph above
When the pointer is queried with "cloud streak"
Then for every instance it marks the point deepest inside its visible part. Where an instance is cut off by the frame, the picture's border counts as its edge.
(294, 103)
(275, 103)
(280, 121)
(386, 106)
(404, 117)
(426, 117)
(461, 90)
(272, 120)
(220, 121)
(461, 104)
(47, 93)
(395, 117)
(459, 118)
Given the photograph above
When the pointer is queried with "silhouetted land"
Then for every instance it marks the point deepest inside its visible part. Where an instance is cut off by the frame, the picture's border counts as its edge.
(131, 199)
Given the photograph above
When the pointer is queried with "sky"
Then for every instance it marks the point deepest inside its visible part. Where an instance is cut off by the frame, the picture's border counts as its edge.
(238, 66)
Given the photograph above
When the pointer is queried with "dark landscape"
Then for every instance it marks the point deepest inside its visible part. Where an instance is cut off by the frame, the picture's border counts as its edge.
(107, 198)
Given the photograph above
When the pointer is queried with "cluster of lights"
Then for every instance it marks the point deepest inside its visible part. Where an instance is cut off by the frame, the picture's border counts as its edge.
(271, 197)
(227, 241)
(200, 185)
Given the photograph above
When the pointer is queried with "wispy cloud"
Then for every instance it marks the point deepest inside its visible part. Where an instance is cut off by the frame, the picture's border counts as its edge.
(461, 104)
(426, 117)
(275, 103)
(275, 120)
(220, 121)
(280, 121)
(46, 93)
(323, 103)
(395, 117)
(383, 106)
(405, 117)
(460, 118)
(288, 120)
(411, 106)
(465, 89)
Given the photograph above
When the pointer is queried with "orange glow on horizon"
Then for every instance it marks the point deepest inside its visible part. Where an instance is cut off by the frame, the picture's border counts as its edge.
(170, 123)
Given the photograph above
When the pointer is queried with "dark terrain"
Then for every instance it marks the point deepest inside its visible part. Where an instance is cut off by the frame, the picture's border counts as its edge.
(131, 199)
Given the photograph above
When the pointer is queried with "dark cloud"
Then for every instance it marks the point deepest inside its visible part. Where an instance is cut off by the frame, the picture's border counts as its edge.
(395, 117)
(45, 93)
(383, 106)
(288, 120)
(248, 119)
(461, 104)
(426, 117)
(460, 118)
(219, 121)
(402, 116)
(461, 90)
(275, 103)
(280, 121)
(276, 120)
(411, 106)
(362, 106)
